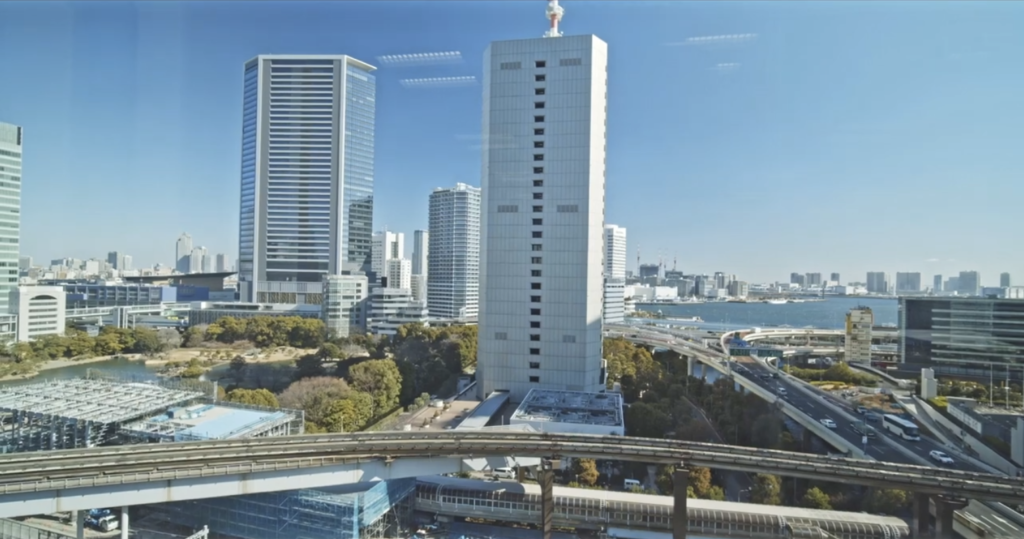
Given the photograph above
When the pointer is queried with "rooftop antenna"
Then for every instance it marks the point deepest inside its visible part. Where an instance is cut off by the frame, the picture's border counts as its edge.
(638, 260)
(555, 13)
(675, 258)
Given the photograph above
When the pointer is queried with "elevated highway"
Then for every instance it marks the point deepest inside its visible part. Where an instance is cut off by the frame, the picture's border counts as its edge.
(807, 405)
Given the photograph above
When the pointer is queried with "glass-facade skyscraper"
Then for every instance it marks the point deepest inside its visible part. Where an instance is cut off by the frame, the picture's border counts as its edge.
(10, 210)
(307, 175)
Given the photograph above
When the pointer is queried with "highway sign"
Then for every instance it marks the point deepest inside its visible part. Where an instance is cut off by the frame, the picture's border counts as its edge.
(769, 352)
(733, 351)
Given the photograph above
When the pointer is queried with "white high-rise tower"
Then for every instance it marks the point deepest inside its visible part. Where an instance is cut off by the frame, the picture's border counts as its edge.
(453, 265)
(10, 210)
(614, 252)
(543, 214)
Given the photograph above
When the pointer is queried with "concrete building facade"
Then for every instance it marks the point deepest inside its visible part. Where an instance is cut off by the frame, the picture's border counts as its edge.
(453, 263)
(399, 273)
(183, 254)
(614, 252)
(307, 174)
(11, 139)
(40, 311)
(420, 251)
(859, 322)
(385, 246)
(542, 278)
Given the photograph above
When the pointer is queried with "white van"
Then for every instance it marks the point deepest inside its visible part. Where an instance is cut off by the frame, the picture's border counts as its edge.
(505, 473)
(629, 484)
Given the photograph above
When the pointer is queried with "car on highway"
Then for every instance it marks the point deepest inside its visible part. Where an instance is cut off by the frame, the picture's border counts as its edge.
(940, 457)
(828, 423)
(862, 410)
(781, 391)
(870, 416)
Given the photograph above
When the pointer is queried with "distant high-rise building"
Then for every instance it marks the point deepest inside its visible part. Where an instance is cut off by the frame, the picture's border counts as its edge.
(399, 273)
(937, 284)
(385, 246)
(812, 279)
(10, 211)
(453, 262)
(834, 278)
(908, 281)
(878, 282)
(614, 252)
(969, 283)
(199, 260)
(345, 305)
(542, 287)
(859, 322)
(797, 279)
(420, 251)
(953, 284)
(1004, 280)
(116, 260)
(183, 253)
(720, 280)
(223, 265)
(24, 262)
(306, 174)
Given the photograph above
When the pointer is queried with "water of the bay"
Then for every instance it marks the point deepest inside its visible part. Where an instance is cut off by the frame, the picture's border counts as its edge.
(827, 314)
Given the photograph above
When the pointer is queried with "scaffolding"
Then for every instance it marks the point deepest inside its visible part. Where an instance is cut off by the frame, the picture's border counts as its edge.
(356, 511)
(84, 412)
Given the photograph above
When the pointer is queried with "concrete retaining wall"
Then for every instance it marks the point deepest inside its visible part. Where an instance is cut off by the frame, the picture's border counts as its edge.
(985, 453)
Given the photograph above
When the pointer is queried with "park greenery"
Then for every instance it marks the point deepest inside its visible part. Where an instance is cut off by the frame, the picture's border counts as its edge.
(838, 373)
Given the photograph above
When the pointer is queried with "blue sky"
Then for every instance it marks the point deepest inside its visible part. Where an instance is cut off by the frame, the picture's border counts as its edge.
(845, 137)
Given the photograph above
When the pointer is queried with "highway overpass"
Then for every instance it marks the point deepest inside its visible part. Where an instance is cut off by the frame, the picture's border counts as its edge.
(79, 479)
(807, 405)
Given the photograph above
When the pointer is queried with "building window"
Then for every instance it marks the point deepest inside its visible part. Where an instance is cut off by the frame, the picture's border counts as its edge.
(501, 336)
(534, 273)
(538, 144)
(508, 209)
(534, 364)
(568, 338)
(538, 222)
(535, 260)
(565, 62)
(534, 337)
(535, 379)
(538, 119)
(568, 208)
(538, 157)
(535, 324)
(538, 196)
(538, 131)
(534, 286)
(540, 78)
(538, 183)
(538, 170)
(536, 247)
(538, 209)
(538, 234)
(534, 299)
(534, 351)
(538, 91)
(540, 64)
(534, 312)
(511, 65)
(538, 105)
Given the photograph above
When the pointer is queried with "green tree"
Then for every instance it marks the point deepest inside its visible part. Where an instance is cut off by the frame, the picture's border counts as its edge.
(767, 490)
(716, 493)
(192, 337)
(645, 421)
(146, 341)
(314, 396)
(309, 366)
(814, 498)
(765, 432)
(329, 351)
(193, 370)
(349, 414)
(253, 397)
(700, 480)
(888, 501)
(380, 379)
(585, 471)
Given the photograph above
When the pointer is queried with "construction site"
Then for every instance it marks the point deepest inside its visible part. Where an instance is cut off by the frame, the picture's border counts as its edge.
(361, 510)
(102, 410)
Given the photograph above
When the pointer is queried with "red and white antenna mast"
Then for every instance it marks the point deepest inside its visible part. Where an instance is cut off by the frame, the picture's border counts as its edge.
(555, 13)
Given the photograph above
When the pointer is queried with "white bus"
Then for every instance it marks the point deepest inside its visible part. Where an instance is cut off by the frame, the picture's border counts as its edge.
(900, 427)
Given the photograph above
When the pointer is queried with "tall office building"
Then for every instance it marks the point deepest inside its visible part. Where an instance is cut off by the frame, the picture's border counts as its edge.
(223, 263)
(1004, 280)
(10, 211)
(969, 283)
(199, 260)
(908, 282)
(183, 253)
(937, 284)
(813, 279)
(399, 273)
(542, 282)
(453, 265)
(834, 278)
(878, 282)
(306, 205)
(385, 246)
(614, 252)
(797, 279)
(420, 250)
(116, 260)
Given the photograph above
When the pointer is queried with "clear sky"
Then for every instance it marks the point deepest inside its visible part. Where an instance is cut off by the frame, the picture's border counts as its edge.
(832, 137)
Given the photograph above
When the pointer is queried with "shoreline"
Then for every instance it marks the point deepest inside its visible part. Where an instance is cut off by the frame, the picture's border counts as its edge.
(157, 361)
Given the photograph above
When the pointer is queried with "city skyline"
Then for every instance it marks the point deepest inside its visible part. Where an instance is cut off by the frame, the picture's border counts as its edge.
(428, 135)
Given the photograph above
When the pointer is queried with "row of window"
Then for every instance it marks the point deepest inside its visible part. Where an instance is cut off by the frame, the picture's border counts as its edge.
(541, 64)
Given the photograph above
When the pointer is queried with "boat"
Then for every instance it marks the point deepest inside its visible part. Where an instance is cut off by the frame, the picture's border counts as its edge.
(774, 301)
(686, 319)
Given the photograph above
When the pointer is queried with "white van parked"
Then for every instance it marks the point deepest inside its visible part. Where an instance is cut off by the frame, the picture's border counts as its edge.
(505, 473)
(629, 484)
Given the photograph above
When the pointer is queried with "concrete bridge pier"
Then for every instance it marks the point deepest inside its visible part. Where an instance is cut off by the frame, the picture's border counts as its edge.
(546, 480)
(80, 524)
(124, 522)
(921, 525)
(944, 508)
(680, 518)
